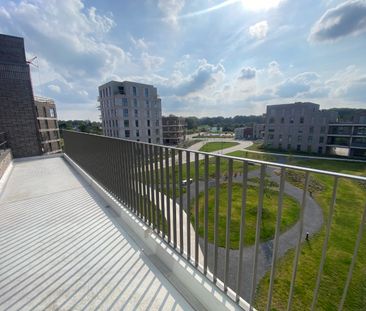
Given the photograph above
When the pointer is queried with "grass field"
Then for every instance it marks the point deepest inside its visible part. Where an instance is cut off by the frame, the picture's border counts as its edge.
(290, 214)
(250, 155)
(347, 216)
(215, 146)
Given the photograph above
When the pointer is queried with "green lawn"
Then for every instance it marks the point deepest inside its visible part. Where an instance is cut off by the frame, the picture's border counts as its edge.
(290, 214)
(347, 216)
(215, 146)
(250, 155)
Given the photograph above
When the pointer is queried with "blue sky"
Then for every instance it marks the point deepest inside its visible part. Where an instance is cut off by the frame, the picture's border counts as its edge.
(206, 57)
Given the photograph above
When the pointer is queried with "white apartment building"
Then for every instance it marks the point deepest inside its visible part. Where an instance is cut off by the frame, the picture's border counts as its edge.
(131, 110)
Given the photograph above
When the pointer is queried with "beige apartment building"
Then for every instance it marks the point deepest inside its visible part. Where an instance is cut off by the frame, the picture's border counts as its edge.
(174, 130)
(131, 110)
(48, 125)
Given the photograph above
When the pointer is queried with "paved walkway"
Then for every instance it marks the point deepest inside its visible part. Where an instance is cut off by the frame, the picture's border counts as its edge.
(63, 249)
(313, 220)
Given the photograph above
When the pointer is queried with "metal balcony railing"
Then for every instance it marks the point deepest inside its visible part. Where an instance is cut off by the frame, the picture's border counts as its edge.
(149, 180)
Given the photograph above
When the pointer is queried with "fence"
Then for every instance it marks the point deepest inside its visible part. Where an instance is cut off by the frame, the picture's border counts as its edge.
(180, 194)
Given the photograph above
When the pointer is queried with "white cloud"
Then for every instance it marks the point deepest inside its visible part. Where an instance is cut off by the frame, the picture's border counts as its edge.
(348, 18)
(261, 5)
(247, 73)
(259, 30)
(171, 10)
(274, 69)
(54, 88)
(151, 62)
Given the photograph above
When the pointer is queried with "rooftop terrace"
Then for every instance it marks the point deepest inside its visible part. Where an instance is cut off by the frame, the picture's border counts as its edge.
(63, 248)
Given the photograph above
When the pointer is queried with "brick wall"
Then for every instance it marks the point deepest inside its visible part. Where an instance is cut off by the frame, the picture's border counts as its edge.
(17, 109)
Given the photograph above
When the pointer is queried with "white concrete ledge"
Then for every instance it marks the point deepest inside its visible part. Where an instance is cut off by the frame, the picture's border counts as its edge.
(199, 291)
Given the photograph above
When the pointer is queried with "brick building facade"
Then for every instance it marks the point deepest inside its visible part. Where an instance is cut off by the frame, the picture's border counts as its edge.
(17, 108)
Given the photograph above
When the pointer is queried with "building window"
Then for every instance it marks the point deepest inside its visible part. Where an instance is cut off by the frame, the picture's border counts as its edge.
(279, 146)
(298, 148)
(125, 113)
(311, 130)
(52, 113)
(126, 123)
(292, 120)
(137, 123)
(157, 123)
(134, 91)
(302, 120)
(282, 120)
(299, 138)
(149, 140)
(321, 139)
(127, 133)
(320, 150)
(121, 90)
(271, 120)
(146, 92)
(135, 103)
(136, 113)
(157, 131)
(148, 122)
(289, 138)
(322, 129)
(125, 102)
(148, 113)
(137, 133)
(309, 148)
(310, 139)
(270, 136)
(148, 132)
(289, 146)
(157, 140)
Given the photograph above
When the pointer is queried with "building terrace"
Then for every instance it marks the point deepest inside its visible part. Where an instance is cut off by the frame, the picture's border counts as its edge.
(94, 228)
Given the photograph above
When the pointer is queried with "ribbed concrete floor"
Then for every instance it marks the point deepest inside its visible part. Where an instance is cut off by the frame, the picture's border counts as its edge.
(61, 248)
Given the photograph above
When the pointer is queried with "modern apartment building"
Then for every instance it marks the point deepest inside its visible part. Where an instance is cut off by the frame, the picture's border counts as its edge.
(243, 132)
(48, 125)
(298, 126)
(131, 110)
(348, 137)
(17, 110)
(174, 130)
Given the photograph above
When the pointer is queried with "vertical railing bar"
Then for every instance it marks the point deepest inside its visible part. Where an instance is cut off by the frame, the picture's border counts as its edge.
(143, 158)
(128, 177)
(276, 238)
(325, 244)
(180, 173)
(162, 196)
(174, 199)
(167, 190)
(141, 181)
(157, 187)
(228, 221)
(188, 203)
(136, 174)
(133, 177)
(216, 216)
(196, 209)
(138, 182)
(298, 247)
(205, 249)
(148, 189)
(257, 234)
(242, 228)
(152, 187)
(350, 272)
(121, 171)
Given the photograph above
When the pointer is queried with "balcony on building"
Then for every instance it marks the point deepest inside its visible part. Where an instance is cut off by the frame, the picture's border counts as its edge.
(101, 226)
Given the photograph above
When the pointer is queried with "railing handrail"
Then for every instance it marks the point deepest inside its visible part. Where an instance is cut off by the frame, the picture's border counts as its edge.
(268, 163)
(145, 178)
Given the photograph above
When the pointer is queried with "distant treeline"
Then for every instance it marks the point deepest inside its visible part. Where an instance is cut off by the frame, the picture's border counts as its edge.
(85, 126)
(228, 124)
